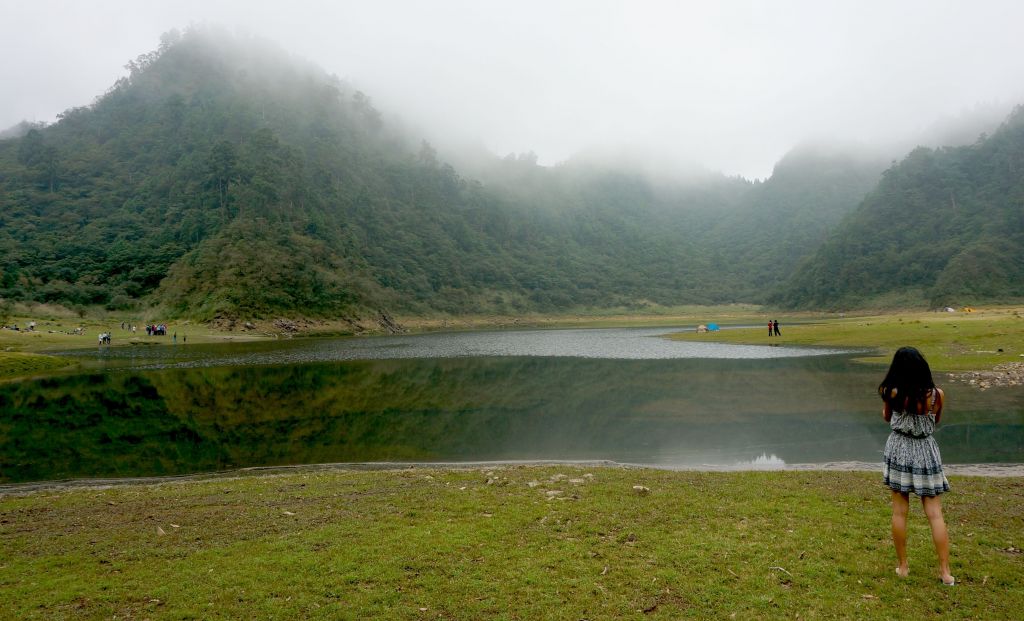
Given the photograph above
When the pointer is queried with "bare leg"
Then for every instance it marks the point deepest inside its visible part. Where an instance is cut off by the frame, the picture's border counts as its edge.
(933, 509)
(900, 508)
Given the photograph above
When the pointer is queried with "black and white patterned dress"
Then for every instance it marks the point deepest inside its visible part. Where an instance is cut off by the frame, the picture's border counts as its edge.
(911, 460)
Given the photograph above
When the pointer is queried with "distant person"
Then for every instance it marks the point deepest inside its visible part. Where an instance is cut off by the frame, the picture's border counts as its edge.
(769, 327)
(775, 326)
(174, 337)
(911, 460)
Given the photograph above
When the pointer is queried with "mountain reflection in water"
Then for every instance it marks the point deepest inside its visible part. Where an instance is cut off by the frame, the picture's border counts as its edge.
(127, 422)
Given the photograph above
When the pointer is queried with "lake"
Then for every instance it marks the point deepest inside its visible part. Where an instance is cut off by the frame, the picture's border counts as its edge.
(626, 395)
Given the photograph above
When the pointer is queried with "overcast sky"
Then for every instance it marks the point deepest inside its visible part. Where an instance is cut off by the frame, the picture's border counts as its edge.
(731, 85)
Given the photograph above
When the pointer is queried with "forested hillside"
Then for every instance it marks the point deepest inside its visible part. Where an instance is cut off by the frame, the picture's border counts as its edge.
(788, 216)
(224, 178)
(943, 227)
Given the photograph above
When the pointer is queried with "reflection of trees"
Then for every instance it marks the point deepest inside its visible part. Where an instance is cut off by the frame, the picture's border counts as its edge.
(93, 425)
(363, 410)
(187, 420)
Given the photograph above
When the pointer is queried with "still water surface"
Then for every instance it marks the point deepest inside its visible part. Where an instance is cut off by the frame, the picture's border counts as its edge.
(626, 395)
(615, 344)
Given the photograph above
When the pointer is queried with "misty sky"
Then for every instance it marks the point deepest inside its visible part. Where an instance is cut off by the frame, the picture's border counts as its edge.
(729, 85)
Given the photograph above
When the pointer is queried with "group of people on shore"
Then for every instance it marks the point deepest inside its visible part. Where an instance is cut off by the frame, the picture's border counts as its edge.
(152, 329)
(773, 327)
(29, 327)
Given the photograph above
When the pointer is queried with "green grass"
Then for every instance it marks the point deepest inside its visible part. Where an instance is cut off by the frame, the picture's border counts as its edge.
(51, 334)
(949, 341)
(476, 544)
(16, 364)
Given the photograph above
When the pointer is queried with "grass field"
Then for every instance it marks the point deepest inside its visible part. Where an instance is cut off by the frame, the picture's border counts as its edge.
(950, 341)
(20, 351)
(53, 335)
(523, 542)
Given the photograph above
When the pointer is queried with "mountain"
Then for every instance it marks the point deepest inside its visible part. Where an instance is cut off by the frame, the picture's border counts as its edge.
(224, 178)
(944, 227)
(790, 214)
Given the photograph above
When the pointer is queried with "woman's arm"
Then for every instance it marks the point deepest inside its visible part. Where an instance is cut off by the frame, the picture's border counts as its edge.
(937, 406)
(887, 412)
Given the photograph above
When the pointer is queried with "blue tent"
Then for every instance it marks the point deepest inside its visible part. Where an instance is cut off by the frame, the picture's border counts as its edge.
(712, 327)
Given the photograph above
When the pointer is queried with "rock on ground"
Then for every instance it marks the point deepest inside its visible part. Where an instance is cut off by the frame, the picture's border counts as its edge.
(1006, 374)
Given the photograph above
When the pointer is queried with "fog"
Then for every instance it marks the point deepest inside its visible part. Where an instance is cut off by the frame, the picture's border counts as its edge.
(725, 86)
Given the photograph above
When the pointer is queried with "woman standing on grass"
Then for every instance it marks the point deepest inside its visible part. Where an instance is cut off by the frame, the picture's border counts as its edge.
(913, 406)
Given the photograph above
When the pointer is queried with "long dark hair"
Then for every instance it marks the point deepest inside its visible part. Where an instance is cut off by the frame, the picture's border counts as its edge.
(908, 381)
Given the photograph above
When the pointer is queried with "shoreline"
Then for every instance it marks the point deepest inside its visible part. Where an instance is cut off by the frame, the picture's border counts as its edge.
(987, 470)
